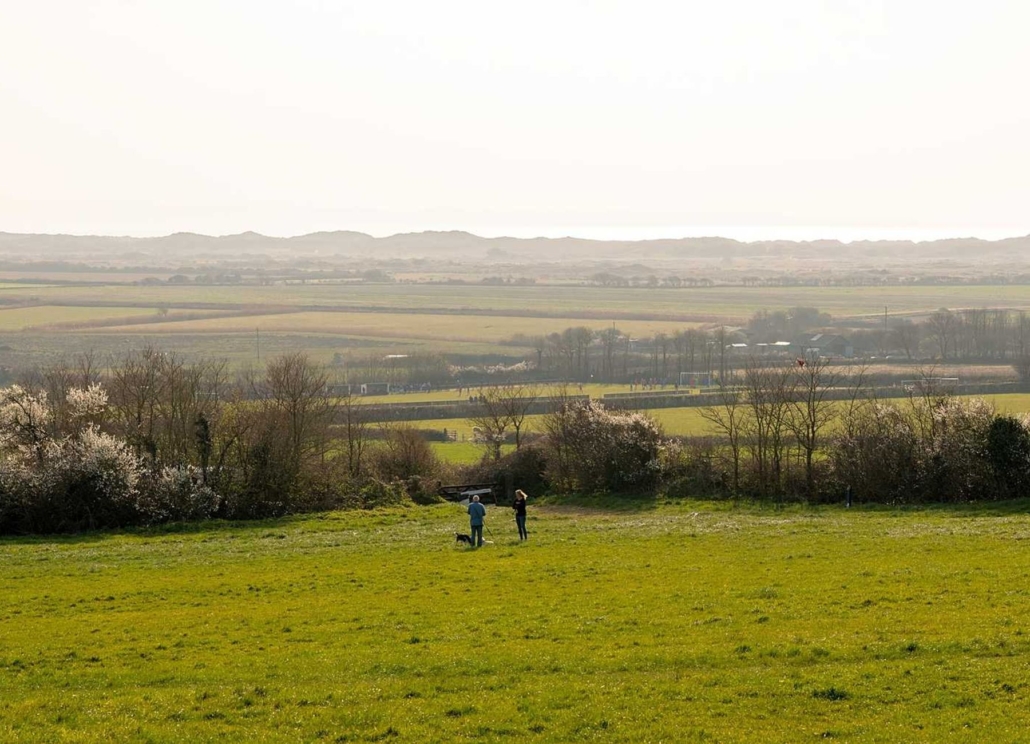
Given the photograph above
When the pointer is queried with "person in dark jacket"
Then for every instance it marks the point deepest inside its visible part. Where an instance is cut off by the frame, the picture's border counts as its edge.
(519, 506)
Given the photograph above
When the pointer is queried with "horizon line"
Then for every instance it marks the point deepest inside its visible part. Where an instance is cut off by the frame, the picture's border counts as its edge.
(636, 234)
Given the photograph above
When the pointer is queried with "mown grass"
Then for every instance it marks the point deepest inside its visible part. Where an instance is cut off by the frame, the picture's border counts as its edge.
(644, 623)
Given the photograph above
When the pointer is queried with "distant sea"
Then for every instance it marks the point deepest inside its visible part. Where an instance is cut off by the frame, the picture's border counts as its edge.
(750, 233)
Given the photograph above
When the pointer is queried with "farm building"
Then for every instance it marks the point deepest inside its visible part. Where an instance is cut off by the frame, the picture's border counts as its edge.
(824, 344)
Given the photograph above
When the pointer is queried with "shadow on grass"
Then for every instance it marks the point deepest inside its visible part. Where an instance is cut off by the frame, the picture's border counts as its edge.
(171, 528)
(623, 503)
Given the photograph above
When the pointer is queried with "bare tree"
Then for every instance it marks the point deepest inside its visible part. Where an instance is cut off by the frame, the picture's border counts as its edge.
(728, 418)
(609, 339)
(354, 421)
(297, 391)
(855, 400)
(811, 409)
(558, 425)
(941, 327)
(136, 389)
(906, 335)
(516, 400)
(768, 391)
(490, 420)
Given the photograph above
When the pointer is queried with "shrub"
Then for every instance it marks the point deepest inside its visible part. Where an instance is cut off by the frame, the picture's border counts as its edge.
(376, 493)
(82, 483)
(524, 468)
(590, 448)
(878, 455)
(1008, 455)
(405, 454)
(690, 468)
(422, 491)
(177, 494)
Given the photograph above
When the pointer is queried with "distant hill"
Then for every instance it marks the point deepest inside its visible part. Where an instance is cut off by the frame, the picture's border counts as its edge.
(459, 244)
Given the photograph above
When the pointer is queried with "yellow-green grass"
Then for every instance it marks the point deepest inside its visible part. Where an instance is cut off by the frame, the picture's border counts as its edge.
(674, 421)
(688, 421)
(729, 303)
(678, 623)
(1010, 403)
(463, 453)
(401, 326)
(25, 318)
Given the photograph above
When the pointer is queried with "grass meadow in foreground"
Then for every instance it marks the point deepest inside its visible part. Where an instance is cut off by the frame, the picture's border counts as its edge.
(675, 623)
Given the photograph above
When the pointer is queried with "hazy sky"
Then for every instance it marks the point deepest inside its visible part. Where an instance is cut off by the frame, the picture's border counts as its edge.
(748, 117)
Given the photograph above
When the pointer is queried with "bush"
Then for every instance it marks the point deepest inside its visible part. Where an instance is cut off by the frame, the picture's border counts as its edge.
(376, 493)
(177, 494)
(935, 451)
(403, 455)
(592, 449)
(422, 491)
(524, 468)
(690, 469)
(85, 483)
(266, 485)
(1008, 455)
(878, 456)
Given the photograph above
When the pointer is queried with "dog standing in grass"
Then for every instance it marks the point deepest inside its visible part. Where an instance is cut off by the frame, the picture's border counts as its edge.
(477, 513)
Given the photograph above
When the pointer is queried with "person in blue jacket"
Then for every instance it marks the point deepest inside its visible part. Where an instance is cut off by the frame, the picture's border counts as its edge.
(477, 513)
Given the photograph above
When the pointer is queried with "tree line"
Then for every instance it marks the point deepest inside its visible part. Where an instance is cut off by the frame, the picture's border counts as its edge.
(780, 430)
(151, 438)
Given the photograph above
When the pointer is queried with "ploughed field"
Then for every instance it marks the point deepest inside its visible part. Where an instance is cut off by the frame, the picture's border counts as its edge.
(55, 321)
(633, 623)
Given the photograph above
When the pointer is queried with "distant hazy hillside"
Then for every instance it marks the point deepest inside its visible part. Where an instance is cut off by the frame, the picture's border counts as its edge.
(457, 244)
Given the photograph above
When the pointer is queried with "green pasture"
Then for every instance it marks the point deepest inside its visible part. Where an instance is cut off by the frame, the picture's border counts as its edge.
(678, 422)
(681, 304)
(438, 327)
(464, 453)
(641, 623)
(25, 318)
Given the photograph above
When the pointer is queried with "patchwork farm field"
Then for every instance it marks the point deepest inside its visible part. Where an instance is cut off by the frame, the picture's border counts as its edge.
(323, 320)
(730, 303)
(404, 327)
(43, 316)
(645, 622)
